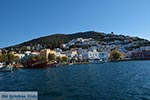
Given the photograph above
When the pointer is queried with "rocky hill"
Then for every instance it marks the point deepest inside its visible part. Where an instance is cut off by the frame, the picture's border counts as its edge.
(54, 41)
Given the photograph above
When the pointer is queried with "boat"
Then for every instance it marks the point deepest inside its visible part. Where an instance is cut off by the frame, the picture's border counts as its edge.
(70, 63)
(96, 61)
(35, 64)
(1, 65)
(53, 65)
(4, 68)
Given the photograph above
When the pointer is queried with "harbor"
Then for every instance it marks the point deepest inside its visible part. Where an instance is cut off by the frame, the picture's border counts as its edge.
(111, 81)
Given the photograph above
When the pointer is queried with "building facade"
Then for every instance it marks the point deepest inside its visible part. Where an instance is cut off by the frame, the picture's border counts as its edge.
(94, 54)
(145, 55)
(46, 52)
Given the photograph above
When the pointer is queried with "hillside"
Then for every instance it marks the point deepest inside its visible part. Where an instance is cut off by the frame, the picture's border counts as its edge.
(54, 41)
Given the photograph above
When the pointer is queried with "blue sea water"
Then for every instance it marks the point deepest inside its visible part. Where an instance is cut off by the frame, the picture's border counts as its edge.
(129, 80)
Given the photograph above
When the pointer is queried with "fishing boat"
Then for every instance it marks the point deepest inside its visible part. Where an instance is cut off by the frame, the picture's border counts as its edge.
(70, 63)
(96, 61)
(4, 68)
(53, 64)
(1, 65)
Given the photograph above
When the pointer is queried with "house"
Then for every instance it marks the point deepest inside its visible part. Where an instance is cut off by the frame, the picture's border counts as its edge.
(58, 50)
(141, 55)
(103, 56)
(59, 53)
(25, 56)
(117, 42)
(64, 46)
(79, 42)
(27, 53)
(35, 53)
(94, 54)
(46, 52)
(28, 47)
(145, 48)
(72, 55)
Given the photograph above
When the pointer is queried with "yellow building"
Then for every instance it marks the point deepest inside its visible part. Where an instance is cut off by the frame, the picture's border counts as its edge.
(45, 52)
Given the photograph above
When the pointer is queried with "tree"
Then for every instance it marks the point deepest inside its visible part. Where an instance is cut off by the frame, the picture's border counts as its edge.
(115, 55)
(7, 57)
(4, 58)
(0, 58)
(87, 60)
(36, 57)
(31, 57)
(11, 57)
(59, 59)
(64, 58)
(17, 59)
(51, 57)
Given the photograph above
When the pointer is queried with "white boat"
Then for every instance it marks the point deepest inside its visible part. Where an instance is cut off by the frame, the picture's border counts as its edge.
(1, 65)
(70, 64)
(4, 68)
(96, 61)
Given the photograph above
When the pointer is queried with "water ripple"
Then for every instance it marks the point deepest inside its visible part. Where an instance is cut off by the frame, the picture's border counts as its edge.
(110, 81)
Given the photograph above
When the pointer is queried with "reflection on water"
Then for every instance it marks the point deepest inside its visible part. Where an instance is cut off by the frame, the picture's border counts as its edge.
(110, 81)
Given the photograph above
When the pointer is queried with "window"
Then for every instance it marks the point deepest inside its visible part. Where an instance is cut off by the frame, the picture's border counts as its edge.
(90, 54)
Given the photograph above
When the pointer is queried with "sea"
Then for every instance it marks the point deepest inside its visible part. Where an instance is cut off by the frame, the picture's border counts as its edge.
(126, 80)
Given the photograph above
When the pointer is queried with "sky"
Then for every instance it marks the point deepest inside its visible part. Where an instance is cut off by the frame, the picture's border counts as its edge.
(23, 20)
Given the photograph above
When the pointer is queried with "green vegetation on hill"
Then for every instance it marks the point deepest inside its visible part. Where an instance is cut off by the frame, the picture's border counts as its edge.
(54, 41)
(51, 41)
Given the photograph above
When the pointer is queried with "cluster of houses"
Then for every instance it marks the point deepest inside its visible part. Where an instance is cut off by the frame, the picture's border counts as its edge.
(94, 50)
(139, 53)
(102, 50)
(80, 42)
(77, 54)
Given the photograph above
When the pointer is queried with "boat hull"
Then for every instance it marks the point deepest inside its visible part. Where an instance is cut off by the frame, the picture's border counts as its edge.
(35, 64)
(53, 65)
(96, 61)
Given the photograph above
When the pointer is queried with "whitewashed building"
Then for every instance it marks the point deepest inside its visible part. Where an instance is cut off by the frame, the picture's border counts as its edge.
(145, 48)
(35, 53)
(27, 53)
(103, 56)
(94, 54)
